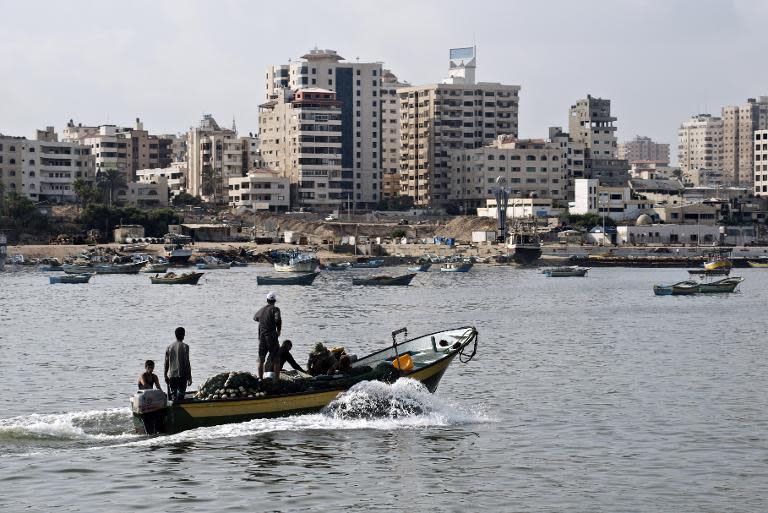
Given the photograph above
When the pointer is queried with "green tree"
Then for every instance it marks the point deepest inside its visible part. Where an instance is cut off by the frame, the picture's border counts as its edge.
(86, 192)
(586, 221)
(111, 181)
(185, 198)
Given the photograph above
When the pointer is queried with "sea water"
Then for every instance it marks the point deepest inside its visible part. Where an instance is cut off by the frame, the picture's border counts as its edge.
(587, 394)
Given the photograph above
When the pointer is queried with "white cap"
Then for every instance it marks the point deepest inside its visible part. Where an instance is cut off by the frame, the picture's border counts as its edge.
(271, 296)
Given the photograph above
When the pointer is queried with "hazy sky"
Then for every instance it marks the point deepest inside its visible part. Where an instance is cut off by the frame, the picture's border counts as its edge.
(170, 61)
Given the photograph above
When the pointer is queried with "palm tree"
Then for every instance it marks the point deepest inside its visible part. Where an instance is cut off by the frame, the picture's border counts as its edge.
(111, 180)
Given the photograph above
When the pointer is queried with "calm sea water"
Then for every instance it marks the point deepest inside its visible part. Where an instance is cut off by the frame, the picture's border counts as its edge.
(586, 395)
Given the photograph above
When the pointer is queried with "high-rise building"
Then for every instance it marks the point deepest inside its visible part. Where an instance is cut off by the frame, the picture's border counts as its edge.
(643, 149)
(439, 119)
(761, 162)
(700, 146)
(357, 86)
(301, 135)
(390, 134)
(214, 154)
(44, 169)
(590, 123)
(739, 125)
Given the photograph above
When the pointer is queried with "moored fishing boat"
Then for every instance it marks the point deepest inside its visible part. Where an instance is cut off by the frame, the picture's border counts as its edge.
(683, 288)
(132, 268)
(758, 264)
(70, 278)
(297, 262)
(337, 266)
(177, 279)
(3, 250)
(424, 359)
(385, 280)
(368, 264)
(300, 279)
(726, 285)
(718, 259)
(566, 272)
(723, 271)
(177, 254)
(154, 268)
(211, 263)
(456, 267)
(422, 268)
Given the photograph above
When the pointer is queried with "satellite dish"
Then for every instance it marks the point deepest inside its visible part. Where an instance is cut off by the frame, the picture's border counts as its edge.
(500, 180)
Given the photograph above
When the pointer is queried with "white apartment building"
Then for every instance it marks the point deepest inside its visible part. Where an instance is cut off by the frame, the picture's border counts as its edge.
(358, 90)
(739, 124)
(260, 189)
(214, 155)
(700, 146)
(44, 169)
(530, 168)
(643, 149)
(175, 176)
(390, 135)
(761, 163)
(145, 194)
(301, 138)
(440, 119)
(615, 202)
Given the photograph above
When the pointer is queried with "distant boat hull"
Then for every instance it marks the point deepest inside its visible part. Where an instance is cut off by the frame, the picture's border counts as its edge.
(70, 278)
(209, 266)
(370, 264)
(757, 265)
(456, 268)
(302, 279)
(104, 268)
(525, 254)
(724, 286)
(683, 288)
(181, 279)
(420, 268)
(403, 280)
(567, 272)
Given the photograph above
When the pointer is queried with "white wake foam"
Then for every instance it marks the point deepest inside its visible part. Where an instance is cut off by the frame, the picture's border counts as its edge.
(86, 425)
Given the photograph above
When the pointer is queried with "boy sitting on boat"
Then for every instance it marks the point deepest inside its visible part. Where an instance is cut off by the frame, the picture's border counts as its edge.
(148, 379)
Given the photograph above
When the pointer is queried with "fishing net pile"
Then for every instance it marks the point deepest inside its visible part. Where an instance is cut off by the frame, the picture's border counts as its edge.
(230, 385)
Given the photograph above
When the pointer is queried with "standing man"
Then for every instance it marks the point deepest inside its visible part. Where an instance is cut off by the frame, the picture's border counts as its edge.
(270, 324)
(178, 372)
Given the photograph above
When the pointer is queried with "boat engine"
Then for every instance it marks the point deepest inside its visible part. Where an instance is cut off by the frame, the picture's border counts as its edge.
(150, 406)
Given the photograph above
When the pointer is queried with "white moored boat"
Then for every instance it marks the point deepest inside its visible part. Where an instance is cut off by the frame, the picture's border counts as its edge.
(298, 263)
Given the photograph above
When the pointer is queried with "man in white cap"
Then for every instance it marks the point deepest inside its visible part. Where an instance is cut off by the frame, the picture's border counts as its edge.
(270, 324)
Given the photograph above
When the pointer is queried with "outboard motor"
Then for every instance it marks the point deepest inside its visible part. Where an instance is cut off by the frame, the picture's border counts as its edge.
(150, 406)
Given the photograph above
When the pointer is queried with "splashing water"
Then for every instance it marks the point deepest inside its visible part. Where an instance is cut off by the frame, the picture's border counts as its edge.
(88, 425)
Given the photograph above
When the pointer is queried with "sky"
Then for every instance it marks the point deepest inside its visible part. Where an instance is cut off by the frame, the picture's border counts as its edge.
(168, 62)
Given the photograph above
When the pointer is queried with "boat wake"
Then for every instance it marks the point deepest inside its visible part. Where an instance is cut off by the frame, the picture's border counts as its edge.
(48, 429)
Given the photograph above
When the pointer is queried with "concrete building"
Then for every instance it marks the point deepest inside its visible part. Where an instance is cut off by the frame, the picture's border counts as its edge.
(613, 202)
(125, 149)
(214, 155)
(739, 124)
(643, 149)
(301, 137)
(657, 234)
(251, 153)
(390, 134)
(260, 189)
(760, 168)
(700, 148)
(44, 169)
(518, 208)
(590, 122)
(659, 191)
(145, 194)
(357, 86)
(440, 119)
(691, 213)
(175, 176)
(530, 167)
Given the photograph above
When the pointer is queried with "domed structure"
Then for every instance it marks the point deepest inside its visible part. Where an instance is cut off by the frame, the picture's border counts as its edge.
(644, 220)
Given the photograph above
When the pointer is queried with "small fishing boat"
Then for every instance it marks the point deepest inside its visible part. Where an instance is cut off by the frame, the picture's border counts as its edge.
(237, 263)
(723, 271)
(337, 266)
(136, 246)
(177, 279)
(154, 268)
(719, 259)
(566, 272)
(683, 288)
(300, 279)
(424, 359)
(758, 264)
(726, 285)
(70, 278)
(368, 264)
(132, 268)
(456, 267)
(51, 268)
(422, 268)
(385, 280)
(297, 262)
(211, 263)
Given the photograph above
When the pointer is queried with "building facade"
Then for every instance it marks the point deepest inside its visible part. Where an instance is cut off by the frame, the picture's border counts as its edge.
(390, 135)
(531, 168)
(301, 139)
(590, 197)
(260, 189)
(44, 169)
(438, 120)
(214, 154)
(643, 149)
(357, 86)
(739, 125)
(700, 146)
(175, 176)
(761, 163)
(590, 123)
